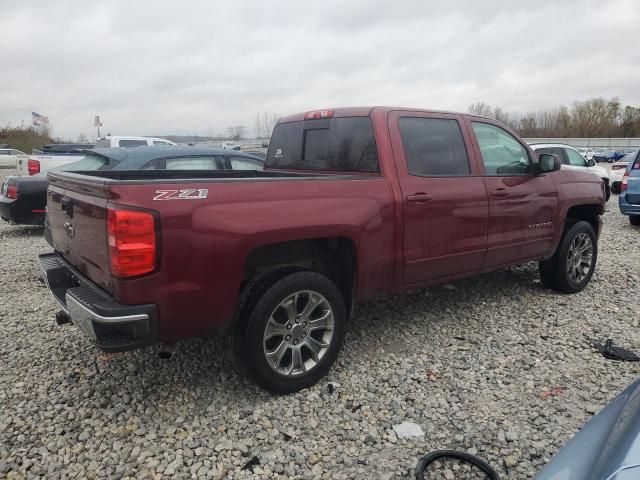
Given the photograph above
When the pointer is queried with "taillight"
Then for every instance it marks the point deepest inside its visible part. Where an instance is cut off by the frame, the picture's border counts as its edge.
(33, 166)
(132, 242)
(318, 114)
(625, 180)
(12, 191)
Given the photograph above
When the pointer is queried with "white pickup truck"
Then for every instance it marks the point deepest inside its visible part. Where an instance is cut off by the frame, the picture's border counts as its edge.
(113, 141)
(51, 156)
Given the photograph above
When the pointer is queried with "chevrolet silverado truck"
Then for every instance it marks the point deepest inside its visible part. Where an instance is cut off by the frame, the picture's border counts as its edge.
(353, 203)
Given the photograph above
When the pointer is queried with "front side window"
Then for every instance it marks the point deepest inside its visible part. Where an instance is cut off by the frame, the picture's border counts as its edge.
(433, 147)
(575, 158)
(501, 153)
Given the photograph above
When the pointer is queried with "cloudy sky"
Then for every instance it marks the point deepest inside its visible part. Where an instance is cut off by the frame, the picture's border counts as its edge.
(194, 67)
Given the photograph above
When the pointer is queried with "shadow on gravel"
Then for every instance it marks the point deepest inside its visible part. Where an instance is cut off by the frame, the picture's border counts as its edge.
(21, 231)
(203, 369)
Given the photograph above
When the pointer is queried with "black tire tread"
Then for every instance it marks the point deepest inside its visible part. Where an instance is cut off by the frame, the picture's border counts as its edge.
(553, 272)
(258, 297)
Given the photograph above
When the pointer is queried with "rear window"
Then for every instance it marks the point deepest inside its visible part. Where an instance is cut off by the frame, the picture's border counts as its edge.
(86, 164)
(340, 144)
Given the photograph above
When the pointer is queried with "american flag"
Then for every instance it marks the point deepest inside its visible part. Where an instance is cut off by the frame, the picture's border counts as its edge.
(39, 120)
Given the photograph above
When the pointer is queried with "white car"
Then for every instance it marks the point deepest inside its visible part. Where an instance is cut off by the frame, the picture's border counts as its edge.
(586, 152)
(9, 157)
(572, 160)
(617, 171)
(119, 141)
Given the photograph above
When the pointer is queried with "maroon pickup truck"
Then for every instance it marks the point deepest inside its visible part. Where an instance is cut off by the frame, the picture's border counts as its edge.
(353, 203)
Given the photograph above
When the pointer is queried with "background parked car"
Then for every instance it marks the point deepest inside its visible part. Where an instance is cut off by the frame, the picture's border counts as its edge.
(586, 152)
(618, 169)
(629, 199)
(9, 157)
(23, 199)
(572, 160)
(53, 155)
(112, 141)
(609, 156)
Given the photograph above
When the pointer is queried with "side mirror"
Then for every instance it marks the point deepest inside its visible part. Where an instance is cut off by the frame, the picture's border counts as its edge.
(591, 163)
(548, 163)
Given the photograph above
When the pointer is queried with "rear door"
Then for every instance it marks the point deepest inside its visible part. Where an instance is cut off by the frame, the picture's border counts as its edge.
(444, 202)
(521, 204)
(76, 209)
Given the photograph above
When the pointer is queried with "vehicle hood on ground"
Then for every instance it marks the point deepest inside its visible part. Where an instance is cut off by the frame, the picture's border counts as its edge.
(607, 448)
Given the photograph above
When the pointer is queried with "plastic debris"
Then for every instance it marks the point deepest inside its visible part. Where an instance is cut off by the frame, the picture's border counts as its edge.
(608, 350)
(408, 430)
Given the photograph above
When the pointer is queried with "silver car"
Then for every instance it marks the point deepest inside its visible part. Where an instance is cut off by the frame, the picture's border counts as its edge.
(607, 448)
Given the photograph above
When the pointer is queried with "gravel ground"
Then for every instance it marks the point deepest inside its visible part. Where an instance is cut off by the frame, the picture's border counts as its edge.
(494, 365)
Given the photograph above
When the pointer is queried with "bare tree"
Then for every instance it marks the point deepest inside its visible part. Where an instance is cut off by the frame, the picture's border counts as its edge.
(237, 132)
(481, 108)
(264, 123)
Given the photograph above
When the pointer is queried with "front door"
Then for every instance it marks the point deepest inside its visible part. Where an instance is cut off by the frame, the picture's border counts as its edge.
(521, 204)
(444, 203)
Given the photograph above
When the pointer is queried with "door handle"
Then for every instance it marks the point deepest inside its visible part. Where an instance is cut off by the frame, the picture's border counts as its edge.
(500, 192)
(419, 198)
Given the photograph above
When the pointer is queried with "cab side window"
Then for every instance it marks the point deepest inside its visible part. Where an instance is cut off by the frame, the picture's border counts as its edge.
(433, 147)
(501, 153)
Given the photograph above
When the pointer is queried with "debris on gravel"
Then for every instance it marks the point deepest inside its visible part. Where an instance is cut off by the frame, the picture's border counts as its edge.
(497, 366)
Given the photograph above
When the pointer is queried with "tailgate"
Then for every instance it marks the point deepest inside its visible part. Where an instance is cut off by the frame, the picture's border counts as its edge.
(76, 208)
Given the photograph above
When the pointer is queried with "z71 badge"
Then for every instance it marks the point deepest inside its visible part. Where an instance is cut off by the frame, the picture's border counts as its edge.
(186, 194)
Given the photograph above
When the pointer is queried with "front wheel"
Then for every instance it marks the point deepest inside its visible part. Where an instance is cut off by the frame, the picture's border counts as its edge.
(293, 333)
(571, 267)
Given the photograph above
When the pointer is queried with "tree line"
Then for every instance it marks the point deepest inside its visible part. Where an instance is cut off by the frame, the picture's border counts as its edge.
(596, 117)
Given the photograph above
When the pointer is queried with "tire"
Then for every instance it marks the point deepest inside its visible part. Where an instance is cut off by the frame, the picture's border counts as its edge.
(579, 246)
(607, 192)
(634, 219)
(279, 321)
(615, 187)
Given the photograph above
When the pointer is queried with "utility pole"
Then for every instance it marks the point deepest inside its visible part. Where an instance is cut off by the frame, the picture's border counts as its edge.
(97, 123)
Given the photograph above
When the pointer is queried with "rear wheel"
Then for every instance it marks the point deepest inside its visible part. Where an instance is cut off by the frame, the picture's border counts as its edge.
(293, 333)
(634, 219)
(615, 187)
(571, 267)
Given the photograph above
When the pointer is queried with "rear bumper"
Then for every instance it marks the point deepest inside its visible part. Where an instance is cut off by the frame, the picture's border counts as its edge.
(12, 211)
(111, 326)
(627, 208)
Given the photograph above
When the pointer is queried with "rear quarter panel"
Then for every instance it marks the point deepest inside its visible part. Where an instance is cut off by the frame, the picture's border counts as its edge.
(205, 243)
